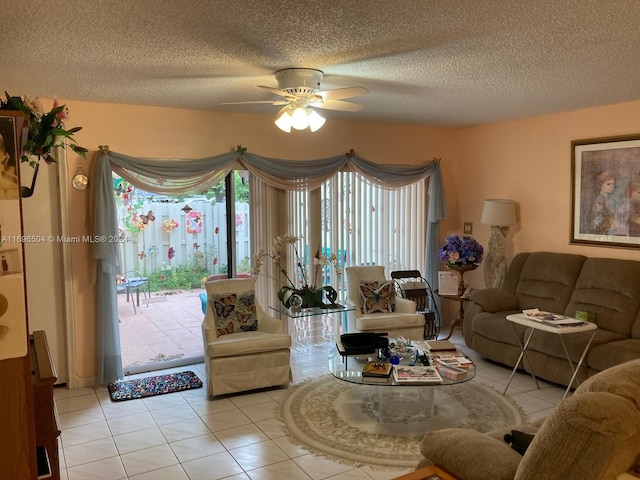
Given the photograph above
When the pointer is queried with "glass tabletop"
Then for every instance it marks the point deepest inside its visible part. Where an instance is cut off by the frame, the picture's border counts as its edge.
(349, 368)
(312, 311)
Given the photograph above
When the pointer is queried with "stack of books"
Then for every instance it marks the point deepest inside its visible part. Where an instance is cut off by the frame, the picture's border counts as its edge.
(376, 372)
(451, 372)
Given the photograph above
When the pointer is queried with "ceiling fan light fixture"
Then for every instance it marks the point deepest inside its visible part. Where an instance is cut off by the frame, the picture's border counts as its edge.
(316, 121)
(283, 122)
(299, 118)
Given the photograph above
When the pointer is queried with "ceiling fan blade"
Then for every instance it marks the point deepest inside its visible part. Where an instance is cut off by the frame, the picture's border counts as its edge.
(339, 105)
(270, 102)
(276, 91)
(346, 92)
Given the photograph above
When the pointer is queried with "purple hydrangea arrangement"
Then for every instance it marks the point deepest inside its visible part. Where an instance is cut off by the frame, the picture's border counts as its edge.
(459, 250)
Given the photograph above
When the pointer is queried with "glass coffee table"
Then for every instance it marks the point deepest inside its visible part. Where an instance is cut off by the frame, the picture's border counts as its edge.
(316, 325)
(408, 405)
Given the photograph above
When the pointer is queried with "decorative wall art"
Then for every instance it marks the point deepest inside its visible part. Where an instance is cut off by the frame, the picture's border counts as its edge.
(605, 176)
(194, 222)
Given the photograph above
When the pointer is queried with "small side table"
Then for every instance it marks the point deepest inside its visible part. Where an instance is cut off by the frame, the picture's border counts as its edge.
(461, 299)
(561, 331)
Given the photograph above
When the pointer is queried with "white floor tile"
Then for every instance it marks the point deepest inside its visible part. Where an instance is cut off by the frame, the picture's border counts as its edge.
(107, 469)
(147, 460)
(174, 472)
(286, 470)
(196, 447)
(319, 468)
(139, 440)
(90, 452)
(190, 436)
(258, 455)
(212, 467)
(177, 431)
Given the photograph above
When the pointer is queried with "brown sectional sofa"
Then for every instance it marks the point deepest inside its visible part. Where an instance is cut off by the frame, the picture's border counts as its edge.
(560, 283)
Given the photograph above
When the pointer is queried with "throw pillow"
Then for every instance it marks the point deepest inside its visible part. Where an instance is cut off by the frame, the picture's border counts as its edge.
(376, 298)
(234, 312)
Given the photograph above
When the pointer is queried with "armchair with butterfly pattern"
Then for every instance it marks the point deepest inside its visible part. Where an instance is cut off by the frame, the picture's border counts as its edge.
(244, 348)
(377, 308)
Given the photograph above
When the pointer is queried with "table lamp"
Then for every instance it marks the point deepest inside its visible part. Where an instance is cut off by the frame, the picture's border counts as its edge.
(499, 213)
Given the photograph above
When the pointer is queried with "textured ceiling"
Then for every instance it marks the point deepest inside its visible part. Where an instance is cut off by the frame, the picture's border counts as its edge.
(440, 62)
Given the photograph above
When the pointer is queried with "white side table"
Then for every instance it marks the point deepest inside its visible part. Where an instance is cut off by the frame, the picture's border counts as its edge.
(561, 331)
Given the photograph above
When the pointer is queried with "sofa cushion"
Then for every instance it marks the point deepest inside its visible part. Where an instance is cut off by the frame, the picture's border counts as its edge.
(496, 327)
(234, 312)
(470, 455)
(551, 344)
(613, 353)
(547, 280)
(614, 298)
(383, 321)
(245, 343)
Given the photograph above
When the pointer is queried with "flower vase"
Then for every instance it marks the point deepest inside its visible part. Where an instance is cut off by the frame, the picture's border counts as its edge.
(461, 269)
(311, 297)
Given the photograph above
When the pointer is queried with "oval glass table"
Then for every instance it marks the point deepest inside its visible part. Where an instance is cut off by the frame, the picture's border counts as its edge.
(406, 408)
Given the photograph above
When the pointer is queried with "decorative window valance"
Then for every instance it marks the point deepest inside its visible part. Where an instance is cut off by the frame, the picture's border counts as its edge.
(183, 176)
(174, 176)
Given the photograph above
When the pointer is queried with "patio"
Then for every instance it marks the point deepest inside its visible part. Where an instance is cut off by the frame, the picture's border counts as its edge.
(165, 327)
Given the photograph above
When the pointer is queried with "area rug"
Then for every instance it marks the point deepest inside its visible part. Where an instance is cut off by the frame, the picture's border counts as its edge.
(151, 386)
(338, 419)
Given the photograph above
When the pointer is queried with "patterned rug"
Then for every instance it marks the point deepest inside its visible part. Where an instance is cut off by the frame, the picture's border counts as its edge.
(151, 386)
(337, 419)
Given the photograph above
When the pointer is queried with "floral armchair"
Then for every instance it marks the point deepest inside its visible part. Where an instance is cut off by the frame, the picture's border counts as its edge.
(399, 318)
(242, 353)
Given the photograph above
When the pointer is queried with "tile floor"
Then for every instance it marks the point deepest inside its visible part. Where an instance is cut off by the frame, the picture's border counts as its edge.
(187, 436)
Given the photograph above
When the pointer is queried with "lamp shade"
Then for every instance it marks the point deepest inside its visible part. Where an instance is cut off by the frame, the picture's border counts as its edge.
(497, 211)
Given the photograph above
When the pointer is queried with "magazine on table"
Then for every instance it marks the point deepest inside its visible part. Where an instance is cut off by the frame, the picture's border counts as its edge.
(416, 374)
(548, 317)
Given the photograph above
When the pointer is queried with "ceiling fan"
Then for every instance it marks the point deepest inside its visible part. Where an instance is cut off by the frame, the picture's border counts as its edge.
(300, 92)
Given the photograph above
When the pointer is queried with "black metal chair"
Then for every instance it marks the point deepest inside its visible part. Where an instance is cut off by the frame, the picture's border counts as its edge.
(412, 285)
(134, 281)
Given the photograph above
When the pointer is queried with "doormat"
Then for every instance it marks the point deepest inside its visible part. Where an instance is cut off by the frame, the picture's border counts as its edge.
(151, 386)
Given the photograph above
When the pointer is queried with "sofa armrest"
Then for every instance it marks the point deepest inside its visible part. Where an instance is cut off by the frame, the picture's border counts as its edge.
(470, 455)
(404, 305)
(494, 300)
(269, 324)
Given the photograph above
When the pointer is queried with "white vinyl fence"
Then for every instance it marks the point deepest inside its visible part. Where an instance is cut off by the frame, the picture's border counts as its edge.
(200, 238)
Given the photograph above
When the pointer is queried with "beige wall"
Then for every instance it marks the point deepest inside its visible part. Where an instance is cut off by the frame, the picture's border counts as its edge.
(161, 132)
(529, 161)
(526, 160)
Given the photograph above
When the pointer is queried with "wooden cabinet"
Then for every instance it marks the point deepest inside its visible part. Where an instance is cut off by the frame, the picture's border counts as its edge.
(27, 414)
(17, 434)
(43, 376)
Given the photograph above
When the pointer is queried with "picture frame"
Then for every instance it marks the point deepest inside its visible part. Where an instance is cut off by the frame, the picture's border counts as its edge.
(605, 191)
